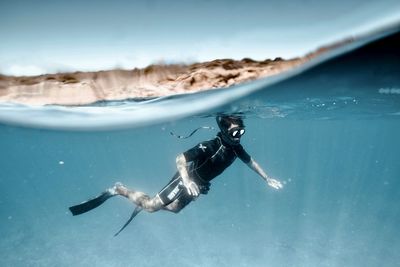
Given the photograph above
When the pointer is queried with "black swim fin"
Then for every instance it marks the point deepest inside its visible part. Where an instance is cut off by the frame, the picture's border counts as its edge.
(133, 215)
(91, 203)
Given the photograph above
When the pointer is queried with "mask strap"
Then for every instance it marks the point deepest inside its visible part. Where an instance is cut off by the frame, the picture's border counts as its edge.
(192, 133)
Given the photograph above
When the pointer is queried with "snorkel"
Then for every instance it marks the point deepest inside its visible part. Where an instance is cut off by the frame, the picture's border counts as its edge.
(230, 135)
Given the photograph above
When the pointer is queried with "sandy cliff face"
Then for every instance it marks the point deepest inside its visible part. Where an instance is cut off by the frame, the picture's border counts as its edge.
(81, 88)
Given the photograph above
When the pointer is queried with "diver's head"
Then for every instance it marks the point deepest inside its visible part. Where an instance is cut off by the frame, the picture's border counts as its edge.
(232, 128)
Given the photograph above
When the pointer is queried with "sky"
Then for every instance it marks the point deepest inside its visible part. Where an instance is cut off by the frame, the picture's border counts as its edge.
(40, 37)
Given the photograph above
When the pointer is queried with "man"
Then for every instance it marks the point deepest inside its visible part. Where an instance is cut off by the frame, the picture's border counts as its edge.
(196, 168)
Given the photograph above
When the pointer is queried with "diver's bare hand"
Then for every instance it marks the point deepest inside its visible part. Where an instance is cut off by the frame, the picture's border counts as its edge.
(192, 188)
(274, 183)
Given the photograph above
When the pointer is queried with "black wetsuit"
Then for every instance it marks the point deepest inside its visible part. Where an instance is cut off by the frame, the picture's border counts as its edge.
(207, 160)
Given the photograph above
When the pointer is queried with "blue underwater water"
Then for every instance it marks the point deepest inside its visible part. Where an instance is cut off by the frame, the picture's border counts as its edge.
(329, 131)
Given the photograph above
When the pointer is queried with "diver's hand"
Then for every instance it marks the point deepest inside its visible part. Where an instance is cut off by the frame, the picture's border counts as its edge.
(192, 188)
(274, 183)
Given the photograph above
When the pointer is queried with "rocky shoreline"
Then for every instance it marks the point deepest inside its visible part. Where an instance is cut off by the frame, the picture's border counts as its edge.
(82, 88)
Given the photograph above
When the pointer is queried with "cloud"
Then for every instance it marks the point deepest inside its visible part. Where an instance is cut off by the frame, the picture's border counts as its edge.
(22, 70)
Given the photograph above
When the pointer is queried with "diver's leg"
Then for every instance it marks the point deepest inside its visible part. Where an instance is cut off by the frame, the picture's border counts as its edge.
(173, 207)
(139, 198)
(178, 204)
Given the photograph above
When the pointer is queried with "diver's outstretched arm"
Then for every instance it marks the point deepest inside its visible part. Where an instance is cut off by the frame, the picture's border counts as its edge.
(271, 182)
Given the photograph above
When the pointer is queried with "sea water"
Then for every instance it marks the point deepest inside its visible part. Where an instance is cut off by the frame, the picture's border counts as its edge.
(330, 133)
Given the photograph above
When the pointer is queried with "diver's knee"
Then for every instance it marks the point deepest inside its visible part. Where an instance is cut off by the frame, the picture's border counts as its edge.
(153, 205)
(152, 209)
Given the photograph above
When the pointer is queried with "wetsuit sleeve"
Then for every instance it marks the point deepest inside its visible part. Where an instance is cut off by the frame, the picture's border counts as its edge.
(198, 152)
(242, 154)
